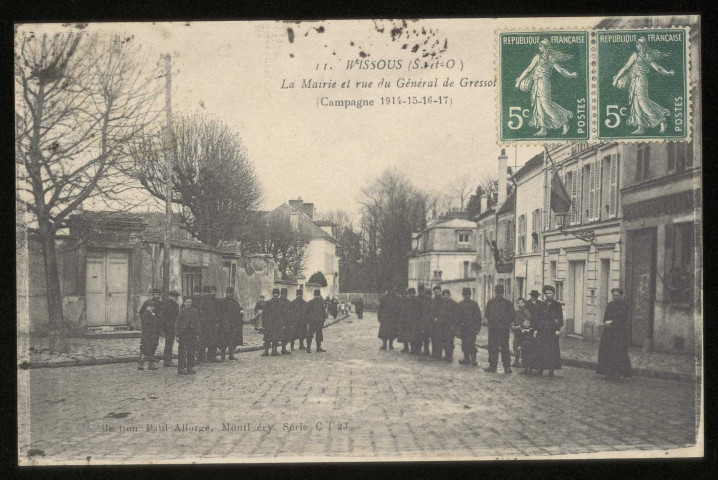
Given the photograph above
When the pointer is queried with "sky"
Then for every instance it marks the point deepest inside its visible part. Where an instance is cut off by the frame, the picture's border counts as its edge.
(234, 71)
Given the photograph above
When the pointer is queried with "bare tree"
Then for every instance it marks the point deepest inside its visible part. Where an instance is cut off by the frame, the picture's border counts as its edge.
(81, 99)
(273, 234)
(213, 179)
(461, 187)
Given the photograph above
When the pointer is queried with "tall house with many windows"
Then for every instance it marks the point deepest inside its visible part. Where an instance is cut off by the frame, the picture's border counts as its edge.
(529, 181)
(443, 254)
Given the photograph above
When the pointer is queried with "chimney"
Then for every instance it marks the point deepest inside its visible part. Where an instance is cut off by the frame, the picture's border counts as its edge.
(297, 204)
(502, 176)
(483, 200)
(309, 210)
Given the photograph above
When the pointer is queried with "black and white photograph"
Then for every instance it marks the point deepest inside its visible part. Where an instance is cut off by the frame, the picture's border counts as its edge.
(286, 241)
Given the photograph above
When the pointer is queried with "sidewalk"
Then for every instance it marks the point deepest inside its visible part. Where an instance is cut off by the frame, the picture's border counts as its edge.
(584, 354)
(95, 351)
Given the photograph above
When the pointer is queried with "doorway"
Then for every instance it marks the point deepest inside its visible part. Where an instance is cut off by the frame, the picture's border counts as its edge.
(641, 283)
(577, 277)
(106, 288)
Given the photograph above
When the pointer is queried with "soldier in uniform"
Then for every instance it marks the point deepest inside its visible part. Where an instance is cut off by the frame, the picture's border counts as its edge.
(286, 322)
(167, 318)
(233, 314)
(150, 337)
(316, 315)
(156, 300)
(469, 327)
(187, 334)
(299, 319)
(388, 318)
(425, 321)
(499, 315)
(196, 303)
(359, 307)
(449, 317)
(435, 333)
(412, 319)
(402, 334)
(271, 318)
(208, 315)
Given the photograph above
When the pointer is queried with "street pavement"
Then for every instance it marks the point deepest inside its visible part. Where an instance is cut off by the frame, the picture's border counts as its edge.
(352, 402)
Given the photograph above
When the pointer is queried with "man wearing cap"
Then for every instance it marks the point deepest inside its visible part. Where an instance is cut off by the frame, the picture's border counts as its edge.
(299, 320)
(532, 304)
(425, 322)
(470, 327)
(286, 321)
(316, 315)
(500, 315)
(388, 316)
(167, 318)
(187, 334)
(412, 319)
(209, 317)
(271, 318)
(156, 301)
(435, 332)
(233, 314)
(150, 337)
(449, 318)
(549, 321)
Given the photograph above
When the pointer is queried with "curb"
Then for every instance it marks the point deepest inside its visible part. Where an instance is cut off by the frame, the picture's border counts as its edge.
(106, 360)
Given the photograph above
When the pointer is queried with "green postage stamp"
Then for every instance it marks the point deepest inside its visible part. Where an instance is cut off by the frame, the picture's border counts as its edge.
(544, 87)
(642, 86)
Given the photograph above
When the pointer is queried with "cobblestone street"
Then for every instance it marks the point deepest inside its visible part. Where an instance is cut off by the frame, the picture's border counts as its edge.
(354, 401)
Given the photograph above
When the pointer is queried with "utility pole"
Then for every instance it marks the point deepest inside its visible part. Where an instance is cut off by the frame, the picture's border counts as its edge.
(169, 154)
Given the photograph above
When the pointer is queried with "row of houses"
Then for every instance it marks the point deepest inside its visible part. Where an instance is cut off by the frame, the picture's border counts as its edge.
(110, 262)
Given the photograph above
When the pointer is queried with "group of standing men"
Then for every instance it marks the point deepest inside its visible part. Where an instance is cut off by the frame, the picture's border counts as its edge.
(427, 325)
(204, 326)
(285, 322)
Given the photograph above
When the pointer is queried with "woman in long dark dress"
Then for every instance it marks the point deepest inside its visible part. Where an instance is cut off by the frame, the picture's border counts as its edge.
(613, 360)
(546, 350)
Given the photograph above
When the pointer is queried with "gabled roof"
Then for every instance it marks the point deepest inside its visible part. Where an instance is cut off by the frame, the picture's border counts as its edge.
(306, 225)
(534, 162)
(509, 204)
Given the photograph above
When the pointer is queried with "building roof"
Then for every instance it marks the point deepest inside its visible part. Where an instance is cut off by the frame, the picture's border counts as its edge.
(534, 162)
(324, 223)
(509, 204)
(306, 225)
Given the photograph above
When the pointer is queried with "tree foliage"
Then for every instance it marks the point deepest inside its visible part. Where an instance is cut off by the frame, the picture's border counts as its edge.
(213, 179)
(318, 278)
(274, 235)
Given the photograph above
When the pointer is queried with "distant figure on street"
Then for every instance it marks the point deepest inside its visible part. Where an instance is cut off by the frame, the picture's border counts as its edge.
(258, 308)
(548, 324)
(299, 319)
(156, 300)
(613, 359)
(412, 316)
(316, 315)
(469, 327)
(435, 334)
(233, 314)
(187, 330)
(388, 318)
(402, 334)
(196, 305)
(271, 324)
(333, 307)
(499, 315)
(522, 314)
(525, 333)
(150, 337)
(167, 319)
(209, 317)
(532, 304)
(425, 322)
(449, 319)
(359, 308)
(285, 329)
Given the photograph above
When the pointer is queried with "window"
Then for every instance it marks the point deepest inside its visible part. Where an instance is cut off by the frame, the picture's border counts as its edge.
(680, 156)
(463, 239)
(643, 163)
(536, 230)
(552, 270)
(559, 291)
(509, 239)
(467, 269)
(437, 274)
(191, 277)
(522, 234)
(509, 292)
(594, 191)
(480, 247)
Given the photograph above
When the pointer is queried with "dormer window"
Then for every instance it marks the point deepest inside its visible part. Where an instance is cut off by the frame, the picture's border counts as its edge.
(463, 239)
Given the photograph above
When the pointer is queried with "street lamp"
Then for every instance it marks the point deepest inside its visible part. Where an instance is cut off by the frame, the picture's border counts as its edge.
(585, 235)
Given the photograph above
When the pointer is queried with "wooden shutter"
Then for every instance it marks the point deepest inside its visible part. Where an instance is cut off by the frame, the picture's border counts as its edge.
(689, 155)
(613, 190)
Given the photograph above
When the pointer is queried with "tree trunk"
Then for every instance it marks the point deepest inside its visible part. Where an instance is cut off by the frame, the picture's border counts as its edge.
(58, 343)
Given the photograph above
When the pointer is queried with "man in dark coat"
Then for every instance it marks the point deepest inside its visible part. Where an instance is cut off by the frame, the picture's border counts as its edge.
(388, 318)
(316, 315)
(425, 321)
(156, 300)
(187, 330)
(499, 315)
(403, 334)
(271, 323)
(299, 319)
(549, 321)
(167, 319)
(333, 307)
(359, 307)
(209, 316)
(613, 359)
(449, 319)
(286, 322)
(150, 337)
(532, 304)
(196, 304)
(258, 308)
(435, 334)
(469, 328)
(412, 319)
(233, 314)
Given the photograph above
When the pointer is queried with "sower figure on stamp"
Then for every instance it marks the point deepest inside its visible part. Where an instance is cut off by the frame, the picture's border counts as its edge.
(287, 321)
(299, 319)
(150, 337)
(549, 321)
(435, 334)
(425, 321)
(188, 330)
(316, 315)
(499, 315)
(233, 313)
(469, 327)
(270, 323)
(449, 318)
(167, 319)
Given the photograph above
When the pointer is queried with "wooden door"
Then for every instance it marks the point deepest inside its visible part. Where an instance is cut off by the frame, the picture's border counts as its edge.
(95, 291)
(106, 288)
(578, 297)
(641, 282)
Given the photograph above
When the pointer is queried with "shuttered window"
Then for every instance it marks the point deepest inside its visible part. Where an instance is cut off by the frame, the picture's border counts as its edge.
(613, 190)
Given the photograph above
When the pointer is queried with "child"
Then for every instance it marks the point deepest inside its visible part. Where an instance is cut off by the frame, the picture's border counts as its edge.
(522, 318)
(150, 337)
